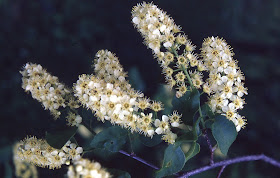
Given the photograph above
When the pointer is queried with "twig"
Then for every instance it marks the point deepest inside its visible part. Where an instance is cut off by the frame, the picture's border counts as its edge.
(139, 159)
(233, 161)
(212, 149)
(221, 171)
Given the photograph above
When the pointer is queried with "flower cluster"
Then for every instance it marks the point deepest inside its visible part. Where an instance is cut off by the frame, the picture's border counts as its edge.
(40, 153)
(166, 40)
(108, 68)
(48, 90)
(225, 82)
(23, 169)
(111, 98)
(85, 168)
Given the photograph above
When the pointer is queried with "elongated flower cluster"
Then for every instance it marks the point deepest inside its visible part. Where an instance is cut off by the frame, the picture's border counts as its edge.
(165, 38)
(46, 89)
(108, 68)
(85, 168)
(225, 83)
(111, 98)
(23, 169)
(40, 153)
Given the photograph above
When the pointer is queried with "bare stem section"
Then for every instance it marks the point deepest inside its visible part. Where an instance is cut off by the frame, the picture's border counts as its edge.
(139, 159)
(232, 161)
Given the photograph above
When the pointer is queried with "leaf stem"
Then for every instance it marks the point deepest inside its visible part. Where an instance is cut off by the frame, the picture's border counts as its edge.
(232, 161)
(183, 68)
(188, 76)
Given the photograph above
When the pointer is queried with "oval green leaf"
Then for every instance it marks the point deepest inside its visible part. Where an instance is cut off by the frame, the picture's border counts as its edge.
(112, 139)
(174, 161)
(194, 150)
(224, 132)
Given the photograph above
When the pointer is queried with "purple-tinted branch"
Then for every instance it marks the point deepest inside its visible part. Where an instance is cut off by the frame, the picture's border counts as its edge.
(232, 161)
(221, 171)
(139, 159)
(212, 149)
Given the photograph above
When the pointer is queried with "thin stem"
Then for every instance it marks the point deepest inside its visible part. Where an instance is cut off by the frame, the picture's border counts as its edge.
(233, 161)
(139, 159)
(188, 76)
(130, 141)
(221, 171)
(183, 68)
(87, 151)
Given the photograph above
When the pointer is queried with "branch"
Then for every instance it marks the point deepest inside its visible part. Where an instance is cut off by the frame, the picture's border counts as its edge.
(221, 171)
(139, 159)
(212, 149)
(233, 161)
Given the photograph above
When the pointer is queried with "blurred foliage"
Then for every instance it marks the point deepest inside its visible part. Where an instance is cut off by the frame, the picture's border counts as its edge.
(64, 35)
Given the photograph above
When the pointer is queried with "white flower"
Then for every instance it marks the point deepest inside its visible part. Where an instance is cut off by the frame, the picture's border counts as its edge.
(159, 130)
(110, 86)
(136, 20)
(73, 145)
(167, 44)
(157, 122)
(150, 132)
(162, 28)
(175, 124)
(78, 119)
(165, 118)
(79, 150)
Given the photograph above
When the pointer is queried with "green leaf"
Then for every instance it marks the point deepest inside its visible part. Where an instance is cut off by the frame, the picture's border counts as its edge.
(206, 111)
(195, 99)
(119, 173)
(150, 142)
(187, 105)
(194, 150)
(112, 138)
(196, 129)
(174, 161)
(224, 132)
(135, 79)
(58, 137)
(209, 123)
(185, 138)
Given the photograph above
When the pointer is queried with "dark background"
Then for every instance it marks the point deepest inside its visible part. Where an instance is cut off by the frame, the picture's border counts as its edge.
(63, 36)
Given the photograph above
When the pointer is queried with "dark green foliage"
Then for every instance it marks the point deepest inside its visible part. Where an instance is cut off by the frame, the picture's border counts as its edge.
(150, 142)
(224, 132)
(206, 111)
(173, 162)
(119, 173)
(187, 105)
(194, 150)
(112, 139)
(57, 138)
(185, 138)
